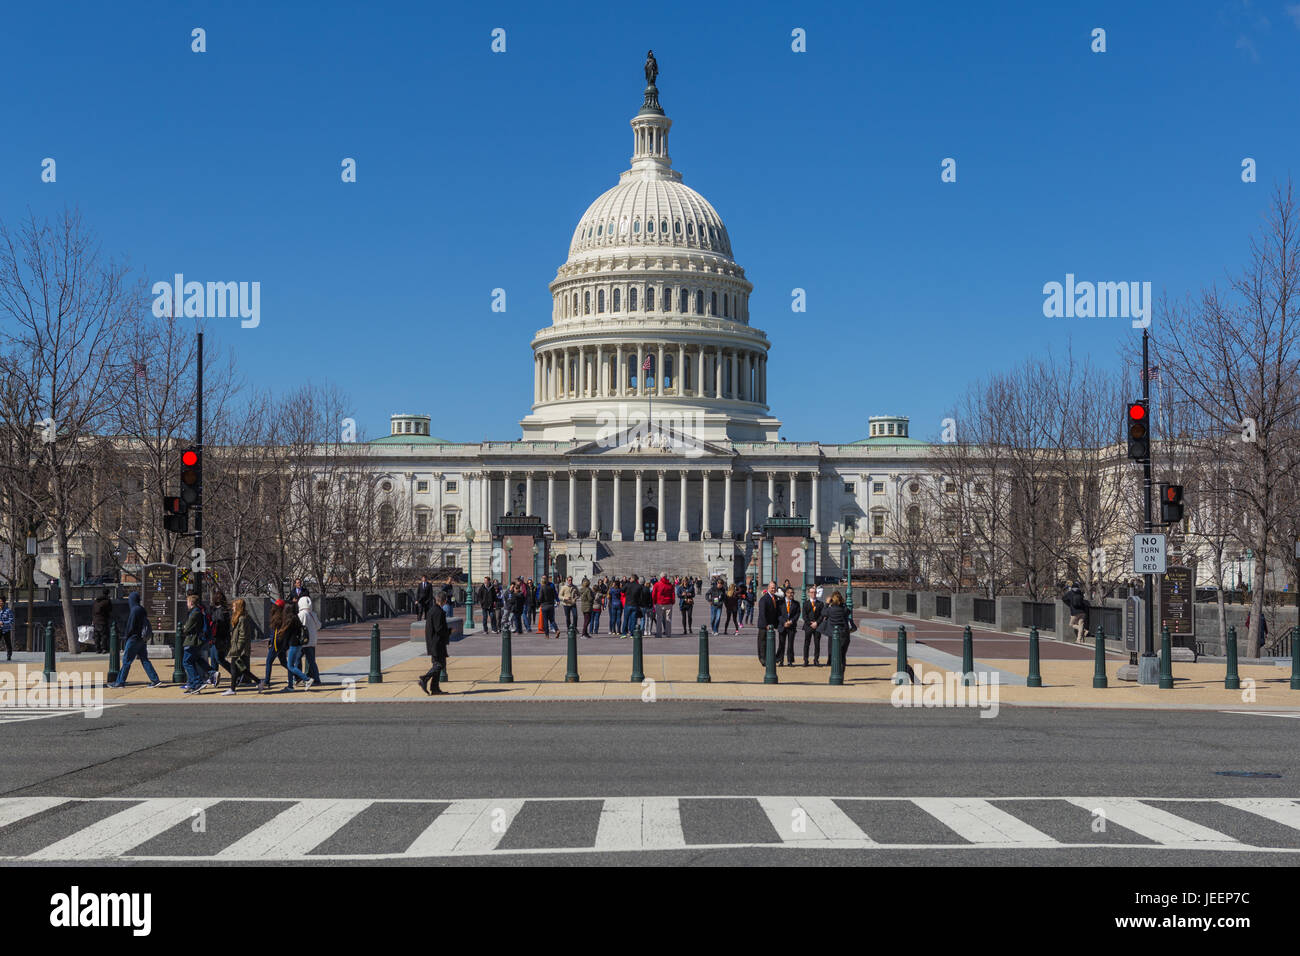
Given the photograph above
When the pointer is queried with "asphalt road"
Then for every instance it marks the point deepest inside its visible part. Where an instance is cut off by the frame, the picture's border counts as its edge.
(666, 783)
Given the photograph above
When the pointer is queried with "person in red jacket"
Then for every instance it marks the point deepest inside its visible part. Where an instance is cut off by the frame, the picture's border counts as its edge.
(663, 594)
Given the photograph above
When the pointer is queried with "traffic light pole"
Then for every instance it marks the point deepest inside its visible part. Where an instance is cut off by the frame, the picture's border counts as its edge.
(198, 508)
(1148, 665)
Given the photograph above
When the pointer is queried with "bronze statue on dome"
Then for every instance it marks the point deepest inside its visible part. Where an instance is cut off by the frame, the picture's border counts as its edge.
(651, 68)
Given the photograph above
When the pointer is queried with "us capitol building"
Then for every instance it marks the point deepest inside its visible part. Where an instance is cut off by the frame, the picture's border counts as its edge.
(649, 445)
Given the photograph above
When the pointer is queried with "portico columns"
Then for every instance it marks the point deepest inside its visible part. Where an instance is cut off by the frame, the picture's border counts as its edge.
(573, 503)
(602, 379)
(749, 503)
(659, 378)
(619, 377)
(661, 532)
(726, 505)
(816, 503)
(704, 514)
(771, 493)
(636, 511)
(794, 491)
(699, 371)
(682, 533)
(679, 373)
(594, 516)
(616, 534)
(528, 492)
(550, 499)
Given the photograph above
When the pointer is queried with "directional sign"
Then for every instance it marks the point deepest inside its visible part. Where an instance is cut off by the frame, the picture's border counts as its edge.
(1148, 554)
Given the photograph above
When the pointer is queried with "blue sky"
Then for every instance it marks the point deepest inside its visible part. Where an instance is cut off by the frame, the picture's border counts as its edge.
(474, 167)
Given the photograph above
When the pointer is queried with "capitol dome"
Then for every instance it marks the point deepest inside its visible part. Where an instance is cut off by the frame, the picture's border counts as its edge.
(650, 278)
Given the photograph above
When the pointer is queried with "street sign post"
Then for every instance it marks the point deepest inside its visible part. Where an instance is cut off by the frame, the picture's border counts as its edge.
(1176, 601)
(1148, 554)
(159, 597)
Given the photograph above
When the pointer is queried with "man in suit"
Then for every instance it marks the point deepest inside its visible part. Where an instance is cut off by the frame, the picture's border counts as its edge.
(789, 625)
(436, 636)
(814, 616)
(423, 597)
(769, 615)
(298, 591)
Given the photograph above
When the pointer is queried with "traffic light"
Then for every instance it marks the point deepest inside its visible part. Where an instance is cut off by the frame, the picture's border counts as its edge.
(1171, 504)
(1139, 432)
(191, 476)
(176, 519)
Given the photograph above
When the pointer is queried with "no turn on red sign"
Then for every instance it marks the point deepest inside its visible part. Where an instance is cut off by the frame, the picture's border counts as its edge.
(1148, 554)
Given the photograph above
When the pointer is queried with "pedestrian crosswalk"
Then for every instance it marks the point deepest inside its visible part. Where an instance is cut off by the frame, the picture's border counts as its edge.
(272, 829)
(17, 714)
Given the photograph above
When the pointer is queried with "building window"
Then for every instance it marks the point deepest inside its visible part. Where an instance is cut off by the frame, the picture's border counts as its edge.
(663, 226)
(677, 227)
(650, 226)
(690, 229)
(449, 522)
(452, 486)
(586, 303)
(713, 304)
(650, 298)
(618, 299)
(600, 229)
(850, 488)
(914, 520)
(387, 486)
(725, 313)
(600, 300)
(699, 302)
(631, 299)
(422, 486)
(636, 227)
(421, 523)
(386, 519)
(668, 371)
(950, 486)
(683, 301)
(877, 524)
(979, 487)
(877, 487)
(878, 563)
(449, 559)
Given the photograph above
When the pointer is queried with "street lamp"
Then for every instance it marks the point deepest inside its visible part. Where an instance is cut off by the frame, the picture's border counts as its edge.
(536, 551)
(848, 548)
(510, 555)
(469, 586)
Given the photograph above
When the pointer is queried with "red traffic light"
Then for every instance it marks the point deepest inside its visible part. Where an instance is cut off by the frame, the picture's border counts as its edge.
(1171, 493)
(1136, 411)
(189, 458)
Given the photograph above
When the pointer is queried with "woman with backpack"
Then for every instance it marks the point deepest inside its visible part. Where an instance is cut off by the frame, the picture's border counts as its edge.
(307, 648)
(292, 635)
(275, 646)
(220, 617)
(729, 602)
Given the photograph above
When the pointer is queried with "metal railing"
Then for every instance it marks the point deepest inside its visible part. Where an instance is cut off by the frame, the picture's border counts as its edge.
(943, 605)
(1039, 614)
(910, 602)
(985, 611)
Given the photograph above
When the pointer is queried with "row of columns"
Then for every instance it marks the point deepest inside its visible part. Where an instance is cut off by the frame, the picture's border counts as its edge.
(490, 507)
(585, 372)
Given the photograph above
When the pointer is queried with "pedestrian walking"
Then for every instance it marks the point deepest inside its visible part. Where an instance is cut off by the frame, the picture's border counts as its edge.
(292, 637)
(220, 617)
(100, 612)
(193, 640)
(546, 598)
(137, 642)
(7, 628)
(1079, 607)
(664, 597)
(307, 646)
(616, 608)
(586, 601)
(275, 647)
(729, 605)
(423, 597)
(436, 635)
(241, 647)
(569, 600)
(686, 602)
(717, 597)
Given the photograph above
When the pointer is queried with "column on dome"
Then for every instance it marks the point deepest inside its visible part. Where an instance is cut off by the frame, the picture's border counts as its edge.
(573, 503)
(616, 533)
(771, 493)
(734, 391)
(705, 533)
(717, 373)
(563, 357)
(618, 373)
(726, 505)
(659, 372)
(595, 479)
(537, 379)
(636, 510)
(699, 371)
(746, 366)
(682, 533)
(662, 533)
(584, 376)
(601, 379)
(679, 382)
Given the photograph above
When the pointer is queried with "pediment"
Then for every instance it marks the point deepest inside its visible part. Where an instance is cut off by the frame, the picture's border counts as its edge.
(653, 441)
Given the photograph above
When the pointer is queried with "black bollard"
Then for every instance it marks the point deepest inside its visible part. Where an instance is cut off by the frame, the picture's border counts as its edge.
(901, 667)
(377, 674)
(1166, 661)
(638, 667)
(1035, 679)
(507, 661)
(1232, 681)
(967, 657)
(51, 668)
(837, 655)
(1099, 658)
(178, 669)
(703, 676)
(571, 675)
(770, 676)
(114, 653)
(1295, 658)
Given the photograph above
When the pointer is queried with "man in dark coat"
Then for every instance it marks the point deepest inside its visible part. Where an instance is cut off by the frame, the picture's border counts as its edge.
(814, 614)
(789, 627)
(769, 615)
(423, 597)
(100, 612)
(436, 636)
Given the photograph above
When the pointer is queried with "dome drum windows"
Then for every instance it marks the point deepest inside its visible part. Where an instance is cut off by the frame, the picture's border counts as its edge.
(713, 304)
(631, 299)
(683, 305)
(699, 303)
(618, 295)
(650, 297)
(586, 303)
(600, 300)
(636, 227)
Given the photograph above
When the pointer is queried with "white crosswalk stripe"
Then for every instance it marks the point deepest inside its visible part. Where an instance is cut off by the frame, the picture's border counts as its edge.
(10, 715)
(1152, 822)
(296, 831)
(640, 823)
(466, 826)
(981, 822)
(626, 824)
(116, 835)
(809, 819)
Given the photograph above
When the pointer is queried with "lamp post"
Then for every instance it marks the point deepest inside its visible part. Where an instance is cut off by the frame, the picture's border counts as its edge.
(469, 588)
(848, 550)
(510, 556)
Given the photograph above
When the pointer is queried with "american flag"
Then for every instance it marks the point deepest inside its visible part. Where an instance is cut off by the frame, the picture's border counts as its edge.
(1154, 373)
(645, 366)
(140, 369)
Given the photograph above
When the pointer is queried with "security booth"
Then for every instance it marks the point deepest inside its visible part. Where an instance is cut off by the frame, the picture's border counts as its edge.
(520, 547)
(786, 550)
